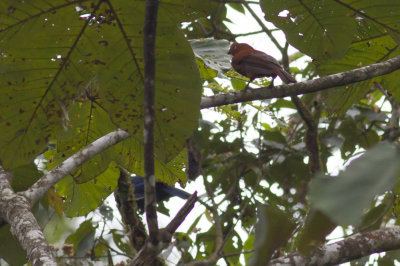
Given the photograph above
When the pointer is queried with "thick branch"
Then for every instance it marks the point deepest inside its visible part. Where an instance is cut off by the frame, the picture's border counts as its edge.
(37, 190)
(335, 80)
(351, 248)
(149, 43)
(15, 209)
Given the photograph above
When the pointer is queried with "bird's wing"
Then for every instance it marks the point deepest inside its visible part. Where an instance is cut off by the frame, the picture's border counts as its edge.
(138, 183)
(260, 60)
(257, 64)
(163, 191)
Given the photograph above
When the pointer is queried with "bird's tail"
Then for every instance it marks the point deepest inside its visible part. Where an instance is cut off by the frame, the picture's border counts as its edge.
(286, 77)
(178, 192)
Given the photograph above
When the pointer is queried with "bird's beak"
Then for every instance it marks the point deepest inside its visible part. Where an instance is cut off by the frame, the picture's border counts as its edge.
(229, 52)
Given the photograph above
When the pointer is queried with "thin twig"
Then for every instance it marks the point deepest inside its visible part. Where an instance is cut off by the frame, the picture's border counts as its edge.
(262, 25)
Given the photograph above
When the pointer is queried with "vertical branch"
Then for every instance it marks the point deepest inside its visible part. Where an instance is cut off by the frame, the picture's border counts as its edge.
(149, 38)
(158, 239)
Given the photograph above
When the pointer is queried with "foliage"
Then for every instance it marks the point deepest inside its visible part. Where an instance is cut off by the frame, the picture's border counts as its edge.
(72, 71)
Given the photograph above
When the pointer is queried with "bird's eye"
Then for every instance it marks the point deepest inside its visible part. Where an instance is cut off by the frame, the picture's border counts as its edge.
(235, 47)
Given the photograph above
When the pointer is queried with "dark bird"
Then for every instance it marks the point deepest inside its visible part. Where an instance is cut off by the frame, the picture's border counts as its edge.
(163, 192)
(256, 64)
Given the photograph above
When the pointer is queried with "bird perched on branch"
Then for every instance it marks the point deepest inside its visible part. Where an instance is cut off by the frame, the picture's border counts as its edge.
(163, 192)
(256, 64)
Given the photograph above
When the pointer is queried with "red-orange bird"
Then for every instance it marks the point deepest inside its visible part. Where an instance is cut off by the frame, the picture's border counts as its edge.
(256, 64)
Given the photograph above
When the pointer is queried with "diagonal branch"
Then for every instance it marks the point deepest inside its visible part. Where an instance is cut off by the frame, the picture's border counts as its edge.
(148, 254)
(37, 190)
(350, 248)
(181, 215)
(310, 86)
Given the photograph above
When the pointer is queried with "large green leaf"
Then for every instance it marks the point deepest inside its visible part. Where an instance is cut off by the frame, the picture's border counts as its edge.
(82, 238)
(366, 177)
(55, 53)
(80, 199)
(10, 249)
(371, 44)
(361, 53)
(37, 75)
(24, 176)
(273, 230)
(384, 13)
(178, 86)
(88, 122)
(169, 173)
(316, 227)
(318, 28)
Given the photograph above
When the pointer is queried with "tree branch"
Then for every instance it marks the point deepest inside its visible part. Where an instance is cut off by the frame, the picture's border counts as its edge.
(147, 255)
(181, 215)
(15, 209)
(350, 248)
(310, 86)
(37, 190)
(149, 43)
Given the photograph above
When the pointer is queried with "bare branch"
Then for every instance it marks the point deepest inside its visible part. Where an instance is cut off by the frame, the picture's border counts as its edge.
(15, 209)
(310, 86)
(351, 248)
(37, 190)
(181, 215)
(148, 254)
(149, 43)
